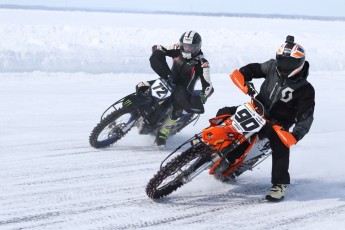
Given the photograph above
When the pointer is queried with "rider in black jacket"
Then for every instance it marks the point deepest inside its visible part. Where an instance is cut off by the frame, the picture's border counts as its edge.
(290, 99)
(189, 65)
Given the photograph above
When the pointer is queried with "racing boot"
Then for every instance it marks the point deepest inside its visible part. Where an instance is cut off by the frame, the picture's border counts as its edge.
(276, 193)
(164, 132)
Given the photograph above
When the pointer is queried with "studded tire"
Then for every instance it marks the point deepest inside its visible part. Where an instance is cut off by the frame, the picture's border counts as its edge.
(171, 176)
(113, 127)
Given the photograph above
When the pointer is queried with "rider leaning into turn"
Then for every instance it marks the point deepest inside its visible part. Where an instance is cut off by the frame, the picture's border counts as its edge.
(188, 66)
(290, 99)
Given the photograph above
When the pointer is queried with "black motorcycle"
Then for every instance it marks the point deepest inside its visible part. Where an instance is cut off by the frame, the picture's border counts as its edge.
(146, 109)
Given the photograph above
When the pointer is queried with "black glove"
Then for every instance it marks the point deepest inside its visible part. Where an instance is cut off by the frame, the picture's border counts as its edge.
(251, 89)
(154, 48)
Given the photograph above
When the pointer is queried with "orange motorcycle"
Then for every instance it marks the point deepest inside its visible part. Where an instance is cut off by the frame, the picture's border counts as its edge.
(227, 148)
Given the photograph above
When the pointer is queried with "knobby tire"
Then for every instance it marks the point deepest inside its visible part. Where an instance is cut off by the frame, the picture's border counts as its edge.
(198, 153)
(112, 117)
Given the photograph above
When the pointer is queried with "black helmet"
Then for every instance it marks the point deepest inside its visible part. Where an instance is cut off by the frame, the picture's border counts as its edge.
(190, 44)
(290, 58)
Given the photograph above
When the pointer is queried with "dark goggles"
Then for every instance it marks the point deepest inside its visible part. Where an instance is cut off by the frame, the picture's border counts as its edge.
(190, 48)
(288, 64)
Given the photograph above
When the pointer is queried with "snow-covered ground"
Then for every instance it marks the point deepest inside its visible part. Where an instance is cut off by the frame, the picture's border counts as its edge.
(60, 70)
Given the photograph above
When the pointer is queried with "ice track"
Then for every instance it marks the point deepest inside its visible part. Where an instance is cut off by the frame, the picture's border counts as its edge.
(74, 186)
(52, 179)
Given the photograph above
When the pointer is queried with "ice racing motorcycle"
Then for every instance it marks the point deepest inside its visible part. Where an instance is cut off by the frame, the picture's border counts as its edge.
(227, 148)
(145, 109)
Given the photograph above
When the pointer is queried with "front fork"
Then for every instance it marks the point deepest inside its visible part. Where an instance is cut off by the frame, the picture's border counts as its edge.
(214, 158)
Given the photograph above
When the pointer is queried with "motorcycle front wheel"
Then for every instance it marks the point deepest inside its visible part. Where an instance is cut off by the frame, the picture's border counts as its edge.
(173, 175)
(113, 127)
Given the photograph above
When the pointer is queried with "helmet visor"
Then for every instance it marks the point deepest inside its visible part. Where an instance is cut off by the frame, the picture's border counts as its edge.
(190, 48)
(288, 66)
(285, 63)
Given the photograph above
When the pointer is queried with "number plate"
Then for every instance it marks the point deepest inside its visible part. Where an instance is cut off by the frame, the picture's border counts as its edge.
(160, 90)
(246, 119)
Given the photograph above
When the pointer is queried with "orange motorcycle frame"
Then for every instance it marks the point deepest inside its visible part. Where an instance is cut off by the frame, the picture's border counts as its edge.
(222, 133)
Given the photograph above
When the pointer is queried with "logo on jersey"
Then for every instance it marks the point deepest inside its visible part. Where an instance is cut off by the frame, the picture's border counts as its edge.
(287, 94)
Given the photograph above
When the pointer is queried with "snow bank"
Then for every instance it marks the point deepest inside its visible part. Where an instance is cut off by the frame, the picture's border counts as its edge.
(54, 41)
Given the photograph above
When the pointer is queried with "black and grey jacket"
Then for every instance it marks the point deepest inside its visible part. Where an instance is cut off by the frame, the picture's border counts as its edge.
(184, 72)
(290, 101)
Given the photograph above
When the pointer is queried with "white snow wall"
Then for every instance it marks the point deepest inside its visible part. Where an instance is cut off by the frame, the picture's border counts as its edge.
(121, 42)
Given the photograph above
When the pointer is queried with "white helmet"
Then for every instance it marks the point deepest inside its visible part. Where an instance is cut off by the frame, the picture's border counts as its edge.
(290, 58)
(190, 44)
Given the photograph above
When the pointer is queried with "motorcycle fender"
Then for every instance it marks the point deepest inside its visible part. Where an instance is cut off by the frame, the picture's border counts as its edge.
(135, 100)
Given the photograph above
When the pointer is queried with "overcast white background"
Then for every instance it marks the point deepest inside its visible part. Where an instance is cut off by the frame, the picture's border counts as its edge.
(60, 70)
(332, 8)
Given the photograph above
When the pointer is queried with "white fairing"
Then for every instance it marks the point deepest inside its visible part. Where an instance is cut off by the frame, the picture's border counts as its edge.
(247, 120)
(160, 90)
(259, 147)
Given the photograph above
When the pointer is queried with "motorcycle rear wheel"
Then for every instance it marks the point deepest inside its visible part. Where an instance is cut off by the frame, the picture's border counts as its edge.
(113, 127)
(173, 174)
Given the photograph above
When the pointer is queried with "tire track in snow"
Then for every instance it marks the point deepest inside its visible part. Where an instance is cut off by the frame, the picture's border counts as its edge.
(188, 215)
(191, 212)
(313, 216)
(87, 171)
(130, 202)
(183, 209)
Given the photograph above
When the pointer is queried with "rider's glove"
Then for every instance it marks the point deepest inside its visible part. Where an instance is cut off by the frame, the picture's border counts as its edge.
(245, 86)
(251, 89)
(286, 137)
(203, 97)
(155, 47)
